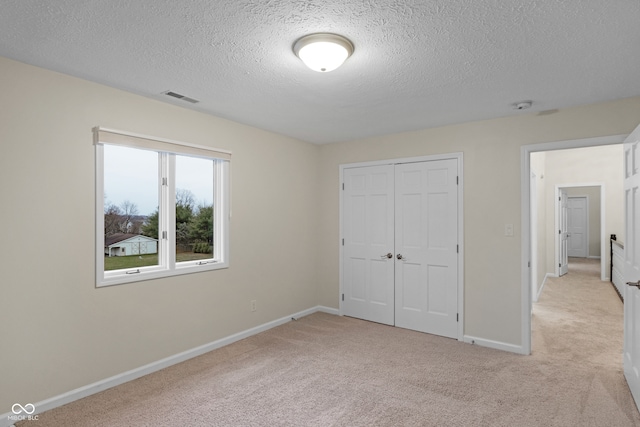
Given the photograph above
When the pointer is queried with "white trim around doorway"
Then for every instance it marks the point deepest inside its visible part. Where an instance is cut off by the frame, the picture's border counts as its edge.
(603, 240)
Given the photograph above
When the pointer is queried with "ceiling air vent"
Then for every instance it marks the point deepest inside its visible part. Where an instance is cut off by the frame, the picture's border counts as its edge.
(179, 96)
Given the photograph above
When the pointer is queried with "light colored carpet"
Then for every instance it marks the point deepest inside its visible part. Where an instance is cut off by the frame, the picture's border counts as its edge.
(325, 370)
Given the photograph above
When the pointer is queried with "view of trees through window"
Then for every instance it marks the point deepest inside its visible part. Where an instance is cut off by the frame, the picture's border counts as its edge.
(131, 208)
(194, 208)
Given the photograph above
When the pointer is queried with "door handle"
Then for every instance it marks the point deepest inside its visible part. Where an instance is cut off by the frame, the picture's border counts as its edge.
(389, 255)
(636, 284)
(399, 256)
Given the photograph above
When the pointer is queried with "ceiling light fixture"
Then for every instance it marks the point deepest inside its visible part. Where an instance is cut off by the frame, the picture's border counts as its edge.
(323, 52)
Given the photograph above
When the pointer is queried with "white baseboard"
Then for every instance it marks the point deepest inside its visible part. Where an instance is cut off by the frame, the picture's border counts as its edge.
(593, 257)
(546, 276)
(124, 377)
(497, 345)
(328, 310)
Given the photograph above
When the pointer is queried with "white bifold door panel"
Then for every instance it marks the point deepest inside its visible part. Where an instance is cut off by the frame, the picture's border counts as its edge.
(400, 255)
(632, 263)
(426, 238)
(368, 208)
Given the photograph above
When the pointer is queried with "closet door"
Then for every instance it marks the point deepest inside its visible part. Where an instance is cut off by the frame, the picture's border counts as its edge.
(426, 239)
(368, 261)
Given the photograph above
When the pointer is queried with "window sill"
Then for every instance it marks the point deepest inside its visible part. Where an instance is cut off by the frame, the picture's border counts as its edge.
(120, 279)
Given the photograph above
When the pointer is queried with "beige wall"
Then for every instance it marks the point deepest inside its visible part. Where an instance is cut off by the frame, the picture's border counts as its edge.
(491, 199)
(58, 331)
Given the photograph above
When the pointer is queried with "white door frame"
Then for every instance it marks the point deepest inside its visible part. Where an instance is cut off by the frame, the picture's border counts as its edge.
(459, 157)
(525, 173)
(533, 200)
(603, 239)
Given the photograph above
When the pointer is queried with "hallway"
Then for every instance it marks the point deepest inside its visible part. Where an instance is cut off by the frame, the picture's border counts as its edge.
(579, 317)
(578, 324)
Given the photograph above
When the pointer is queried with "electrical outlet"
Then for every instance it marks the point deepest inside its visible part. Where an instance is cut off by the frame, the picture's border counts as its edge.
(508, 230)
(253, 305)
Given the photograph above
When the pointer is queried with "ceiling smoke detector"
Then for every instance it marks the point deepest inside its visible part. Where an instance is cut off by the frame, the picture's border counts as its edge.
(523, 105)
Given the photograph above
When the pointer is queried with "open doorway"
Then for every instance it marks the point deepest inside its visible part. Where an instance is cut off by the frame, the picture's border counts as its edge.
(589, 181)
(555, 167)
(578, 231)
(585, 225)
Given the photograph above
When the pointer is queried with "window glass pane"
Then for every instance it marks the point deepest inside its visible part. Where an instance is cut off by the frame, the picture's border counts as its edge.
(194, 208)
(130, 208)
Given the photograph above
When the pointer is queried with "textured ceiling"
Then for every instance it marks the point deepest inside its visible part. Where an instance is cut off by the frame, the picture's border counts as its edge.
(417, 64)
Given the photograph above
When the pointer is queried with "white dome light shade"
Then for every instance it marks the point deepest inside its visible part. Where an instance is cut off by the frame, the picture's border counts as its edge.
(323, 52)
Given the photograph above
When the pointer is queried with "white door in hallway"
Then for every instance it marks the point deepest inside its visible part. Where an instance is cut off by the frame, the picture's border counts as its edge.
(563, 233)
(426, 284)
(368, 253)
(632, 263)
(578, 225)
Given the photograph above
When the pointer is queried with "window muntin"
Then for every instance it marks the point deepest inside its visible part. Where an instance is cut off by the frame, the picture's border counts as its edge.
(199, 176)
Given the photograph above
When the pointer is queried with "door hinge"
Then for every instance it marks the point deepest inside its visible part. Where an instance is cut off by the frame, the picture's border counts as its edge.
(529, 264)
(457, 249)
(164, 181)
(342, 297)
(343, 186)
(559, 198)
(559, 231)
(342, 242)
(559, 265)
(457, 180)
(457, 317)
(164, 234)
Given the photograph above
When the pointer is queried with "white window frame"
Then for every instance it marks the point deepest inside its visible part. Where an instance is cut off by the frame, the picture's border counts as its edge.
(167, 150)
